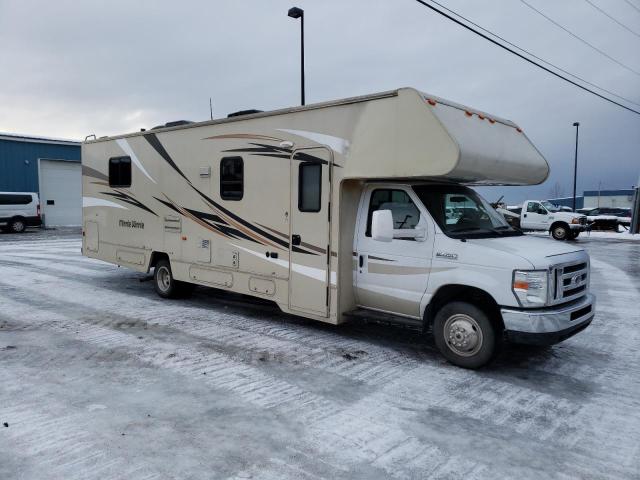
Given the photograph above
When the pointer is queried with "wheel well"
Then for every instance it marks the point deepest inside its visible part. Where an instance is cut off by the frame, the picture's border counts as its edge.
(18, 217)
(155, 258)
(559, 222)
(476, 296)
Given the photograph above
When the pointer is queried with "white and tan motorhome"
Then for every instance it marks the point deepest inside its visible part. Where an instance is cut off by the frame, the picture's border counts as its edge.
(356, 207)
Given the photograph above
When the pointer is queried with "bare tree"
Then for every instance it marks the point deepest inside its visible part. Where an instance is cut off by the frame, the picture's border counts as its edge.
(556, 191)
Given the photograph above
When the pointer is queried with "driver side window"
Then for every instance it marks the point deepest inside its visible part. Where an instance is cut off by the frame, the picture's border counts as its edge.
(405, 213)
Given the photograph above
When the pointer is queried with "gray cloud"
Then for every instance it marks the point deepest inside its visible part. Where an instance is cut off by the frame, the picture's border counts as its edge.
(74, 68)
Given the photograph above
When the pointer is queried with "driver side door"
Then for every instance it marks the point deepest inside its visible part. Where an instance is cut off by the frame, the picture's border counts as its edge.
(535, 217)
(392, 276)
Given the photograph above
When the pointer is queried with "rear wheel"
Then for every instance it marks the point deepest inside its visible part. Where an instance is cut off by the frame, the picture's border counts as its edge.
(560, 232)
(17, 225)
(166, 286)
(464, 335)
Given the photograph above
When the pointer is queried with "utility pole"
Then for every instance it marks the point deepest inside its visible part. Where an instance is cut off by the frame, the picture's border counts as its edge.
(575, 166)
(210, 108)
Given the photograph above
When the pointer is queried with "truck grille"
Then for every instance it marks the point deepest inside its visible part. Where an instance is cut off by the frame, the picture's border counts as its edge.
(569, 281)
(583, 220)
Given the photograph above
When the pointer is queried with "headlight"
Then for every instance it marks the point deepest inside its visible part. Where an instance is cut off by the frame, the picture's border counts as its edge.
(575, 221)
(531, 287)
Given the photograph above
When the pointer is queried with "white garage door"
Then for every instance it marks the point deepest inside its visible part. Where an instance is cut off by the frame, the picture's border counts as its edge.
(61, 192)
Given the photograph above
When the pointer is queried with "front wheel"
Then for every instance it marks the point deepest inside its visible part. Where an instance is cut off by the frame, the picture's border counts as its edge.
(560, 232)
(574, 234)
(464, 335)
(17, 226)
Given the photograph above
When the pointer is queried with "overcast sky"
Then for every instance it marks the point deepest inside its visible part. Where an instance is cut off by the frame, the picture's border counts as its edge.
(69, 68)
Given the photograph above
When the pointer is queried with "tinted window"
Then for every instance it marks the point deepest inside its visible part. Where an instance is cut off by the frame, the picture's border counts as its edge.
(231, 178)
(120, 172)
(405, 214)
(533, 207)
(309, 187)
(14, 199)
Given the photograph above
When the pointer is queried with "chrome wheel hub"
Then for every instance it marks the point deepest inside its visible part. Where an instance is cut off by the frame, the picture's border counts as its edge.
(463, 335)
(164, 279)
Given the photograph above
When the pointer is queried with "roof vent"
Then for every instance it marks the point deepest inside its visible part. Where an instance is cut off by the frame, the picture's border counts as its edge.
(177, 123)
(243, 112)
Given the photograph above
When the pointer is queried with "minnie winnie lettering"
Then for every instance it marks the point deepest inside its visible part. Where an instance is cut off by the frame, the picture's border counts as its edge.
(130, 223)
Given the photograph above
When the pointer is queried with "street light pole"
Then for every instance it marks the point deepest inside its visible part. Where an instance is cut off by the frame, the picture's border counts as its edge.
(296, 12)
(575, 166)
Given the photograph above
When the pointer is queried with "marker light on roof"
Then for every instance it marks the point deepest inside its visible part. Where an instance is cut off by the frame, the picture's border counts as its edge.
(431, 102)
(468, 113)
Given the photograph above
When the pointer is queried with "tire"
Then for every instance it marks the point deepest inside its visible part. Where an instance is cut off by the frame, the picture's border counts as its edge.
(560, 232)
(165, 285)
(464, 335)
(17, 225)
(573, 235)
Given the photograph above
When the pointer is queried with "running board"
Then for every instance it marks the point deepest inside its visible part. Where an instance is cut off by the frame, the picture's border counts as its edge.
(384, 318)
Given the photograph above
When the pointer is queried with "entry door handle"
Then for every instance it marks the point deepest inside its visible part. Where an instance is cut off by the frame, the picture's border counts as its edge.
(295, 239)
(525, 215)
(361, 261)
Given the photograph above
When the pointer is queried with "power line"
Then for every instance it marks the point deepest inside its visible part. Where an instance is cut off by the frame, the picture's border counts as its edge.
(632, 5)
(504, 47)
(534, 55)
(612, 18)
(579, 38)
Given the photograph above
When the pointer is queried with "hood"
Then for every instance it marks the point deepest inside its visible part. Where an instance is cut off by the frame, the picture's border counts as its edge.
(540, 252)
(565, 215)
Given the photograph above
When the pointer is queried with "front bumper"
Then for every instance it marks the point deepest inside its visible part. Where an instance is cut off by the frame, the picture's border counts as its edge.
(577, 227)
(549, 325)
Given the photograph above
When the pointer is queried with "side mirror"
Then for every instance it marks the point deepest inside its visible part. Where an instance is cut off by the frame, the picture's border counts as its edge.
(382, 226)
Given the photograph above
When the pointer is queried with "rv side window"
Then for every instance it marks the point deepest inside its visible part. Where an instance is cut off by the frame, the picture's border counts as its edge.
(15, 199)
(405, 214)
(120, 172)
(231, 178)
(309, 187)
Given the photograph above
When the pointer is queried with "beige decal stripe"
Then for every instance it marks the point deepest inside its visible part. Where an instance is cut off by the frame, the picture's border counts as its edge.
(400, 270)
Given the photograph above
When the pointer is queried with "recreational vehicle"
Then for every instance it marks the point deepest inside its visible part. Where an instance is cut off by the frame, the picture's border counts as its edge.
(358, 207)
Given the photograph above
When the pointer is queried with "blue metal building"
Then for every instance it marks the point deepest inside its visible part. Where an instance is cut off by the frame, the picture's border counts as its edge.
(48, 166)
(567, 202)
(19, 156)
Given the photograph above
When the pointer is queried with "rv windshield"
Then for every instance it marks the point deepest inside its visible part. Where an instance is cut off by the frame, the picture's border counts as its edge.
(461, 213)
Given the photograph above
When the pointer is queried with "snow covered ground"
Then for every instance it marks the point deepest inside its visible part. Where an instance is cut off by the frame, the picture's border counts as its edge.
(101, 379)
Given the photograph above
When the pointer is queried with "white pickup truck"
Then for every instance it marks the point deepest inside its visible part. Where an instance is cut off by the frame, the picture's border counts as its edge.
(542, 215)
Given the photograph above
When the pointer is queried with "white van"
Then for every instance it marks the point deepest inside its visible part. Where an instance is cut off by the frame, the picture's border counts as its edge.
(19, 210)
(359, 207)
